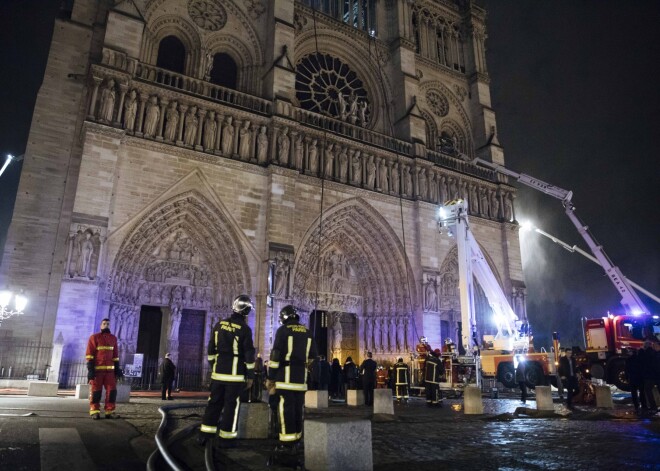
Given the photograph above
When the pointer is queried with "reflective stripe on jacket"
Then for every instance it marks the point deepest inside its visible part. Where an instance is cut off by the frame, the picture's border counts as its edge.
(102, 349)
(231, 350)
(292, 348)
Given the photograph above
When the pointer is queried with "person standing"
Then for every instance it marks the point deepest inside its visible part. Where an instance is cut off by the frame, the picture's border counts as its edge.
(401, 380)
(434, 370)
(167, 374)
(568, 375)
(521, 373)
(336, 379)
(368, 371)
(231, 356)
(103, 371)
(324, 373)
(292, 348)
(257, 385)
(351, 374)
(635, 379)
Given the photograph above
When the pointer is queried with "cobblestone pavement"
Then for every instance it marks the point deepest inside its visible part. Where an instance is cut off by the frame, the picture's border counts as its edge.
(507, 437)
(418, 438)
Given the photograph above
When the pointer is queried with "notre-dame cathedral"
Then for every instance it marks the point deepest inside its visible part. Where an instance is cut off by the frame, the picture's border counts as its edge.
(183, 152)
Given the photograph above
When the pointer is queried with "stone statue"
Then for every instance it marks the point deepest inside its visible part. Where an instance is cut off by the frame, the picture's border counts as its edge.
(443, 190)
(422, 184)
(352, 112)
(508, 208)
(130, 110)
(453, 188)
(329, 159)
(395, 178)
(357, 168)
(336, 333)
(362, 111)
(313, 157)
(175, 324)
(191, 122)
(342, 105)
(494, 205)
(283, 147)
(433, 187)
(371, 172)
(298, 151)
(343, 164)
(151, 117)
(262, 146)
(210, 128)
(108, 95)
(473, 199)
(407, 181)
(209, 66)
(228, 137)
(172, 124)
(281, 278)
(382, 177)
(431, 297)
(483, 202)
(244, 140)
(368, 333)
(86, 251)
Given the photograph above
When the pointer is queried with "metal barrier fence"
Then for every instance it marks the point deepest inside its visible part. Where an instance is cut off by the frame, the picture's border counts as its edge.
(22, 358)
(191, 376)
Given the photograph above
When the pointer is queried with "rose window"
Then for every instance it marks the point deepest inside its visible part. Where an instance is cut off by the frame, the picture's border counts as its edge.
(438, 102)
(326, 85)
(207, 14)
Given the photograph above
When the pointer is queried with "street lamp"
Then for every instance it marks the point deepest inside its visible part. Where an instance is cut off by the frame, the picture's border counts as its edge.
(19, 305)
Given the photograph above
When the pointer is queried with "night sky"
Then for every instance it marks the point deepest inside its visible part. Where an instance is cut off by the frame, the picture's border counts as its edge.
(575, 88)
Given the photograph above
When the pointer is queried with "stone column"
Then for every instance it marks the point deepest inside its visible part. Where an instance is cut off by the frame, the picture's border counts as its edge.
(122, 96)
(218, 132)
(95, 93)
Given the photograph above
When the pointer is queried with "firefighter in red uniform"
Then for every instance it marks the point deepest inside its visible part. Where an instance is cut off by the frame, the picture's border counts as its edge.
(287, 373)
(381, 378)
(103, 370)
(422, 348)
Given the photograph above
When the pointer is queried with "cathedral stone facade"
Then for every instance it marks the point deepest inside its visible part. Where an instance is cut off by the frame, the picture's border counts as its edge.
(183, 152)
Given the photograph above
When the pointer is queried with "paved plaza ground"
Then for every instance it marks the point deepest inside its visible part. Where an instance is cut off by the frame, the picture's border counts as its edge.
(415, 438)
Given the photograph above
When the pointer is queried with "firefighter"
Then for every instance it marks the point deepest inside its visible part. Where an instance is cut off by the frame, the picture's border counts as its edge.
(433, 373)
(401, 380)
(422, 348)
(103, 370)
(231, 357)
(381, 378)
(287, 371)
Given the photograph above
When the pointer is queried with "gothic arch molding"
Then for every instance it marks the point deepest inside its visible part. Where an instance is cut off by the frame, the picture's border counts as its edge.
(185, 242)
(374, 252)
(171, 25)
(456, 110)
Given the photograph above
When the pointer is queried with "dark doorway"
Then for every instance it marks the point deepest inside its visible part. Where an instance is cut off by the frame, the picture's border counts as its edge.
(318, 324)
(224, 71)
(191, 336)
(171, 54)
(148, 341)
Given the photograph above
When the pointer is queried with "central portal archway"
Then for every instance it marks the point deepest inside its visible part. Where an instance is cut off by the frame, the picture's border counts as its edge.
(359, 273)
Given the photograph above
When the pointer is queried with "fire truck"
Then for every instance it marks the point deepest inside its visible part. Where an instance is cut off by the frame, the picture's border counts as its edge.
(608, 339)
(497, 355)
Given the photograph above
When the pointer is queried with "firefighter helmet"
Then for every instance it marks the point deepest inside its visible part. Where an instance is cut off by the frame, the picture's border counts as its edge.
(288, 313)
(424, 340)
(242, 305)
(437, 352)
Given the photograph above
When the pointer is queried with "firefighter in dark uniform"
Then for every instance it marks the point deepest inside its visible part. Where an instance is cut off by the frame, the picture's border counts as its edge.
(433, 372)
(231, 357)
(401, 380)
(103, 370)
(287, 374)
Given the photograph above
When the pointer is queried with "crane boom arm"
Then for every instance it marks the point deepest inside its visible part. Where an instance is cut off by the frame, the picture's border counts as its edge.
(630, 300)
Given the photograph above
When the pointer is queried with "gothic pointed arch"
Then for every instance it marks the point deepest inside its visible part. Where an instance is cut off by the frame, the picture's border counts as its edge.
(185, 252)
(362, 266)
(444, 103)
